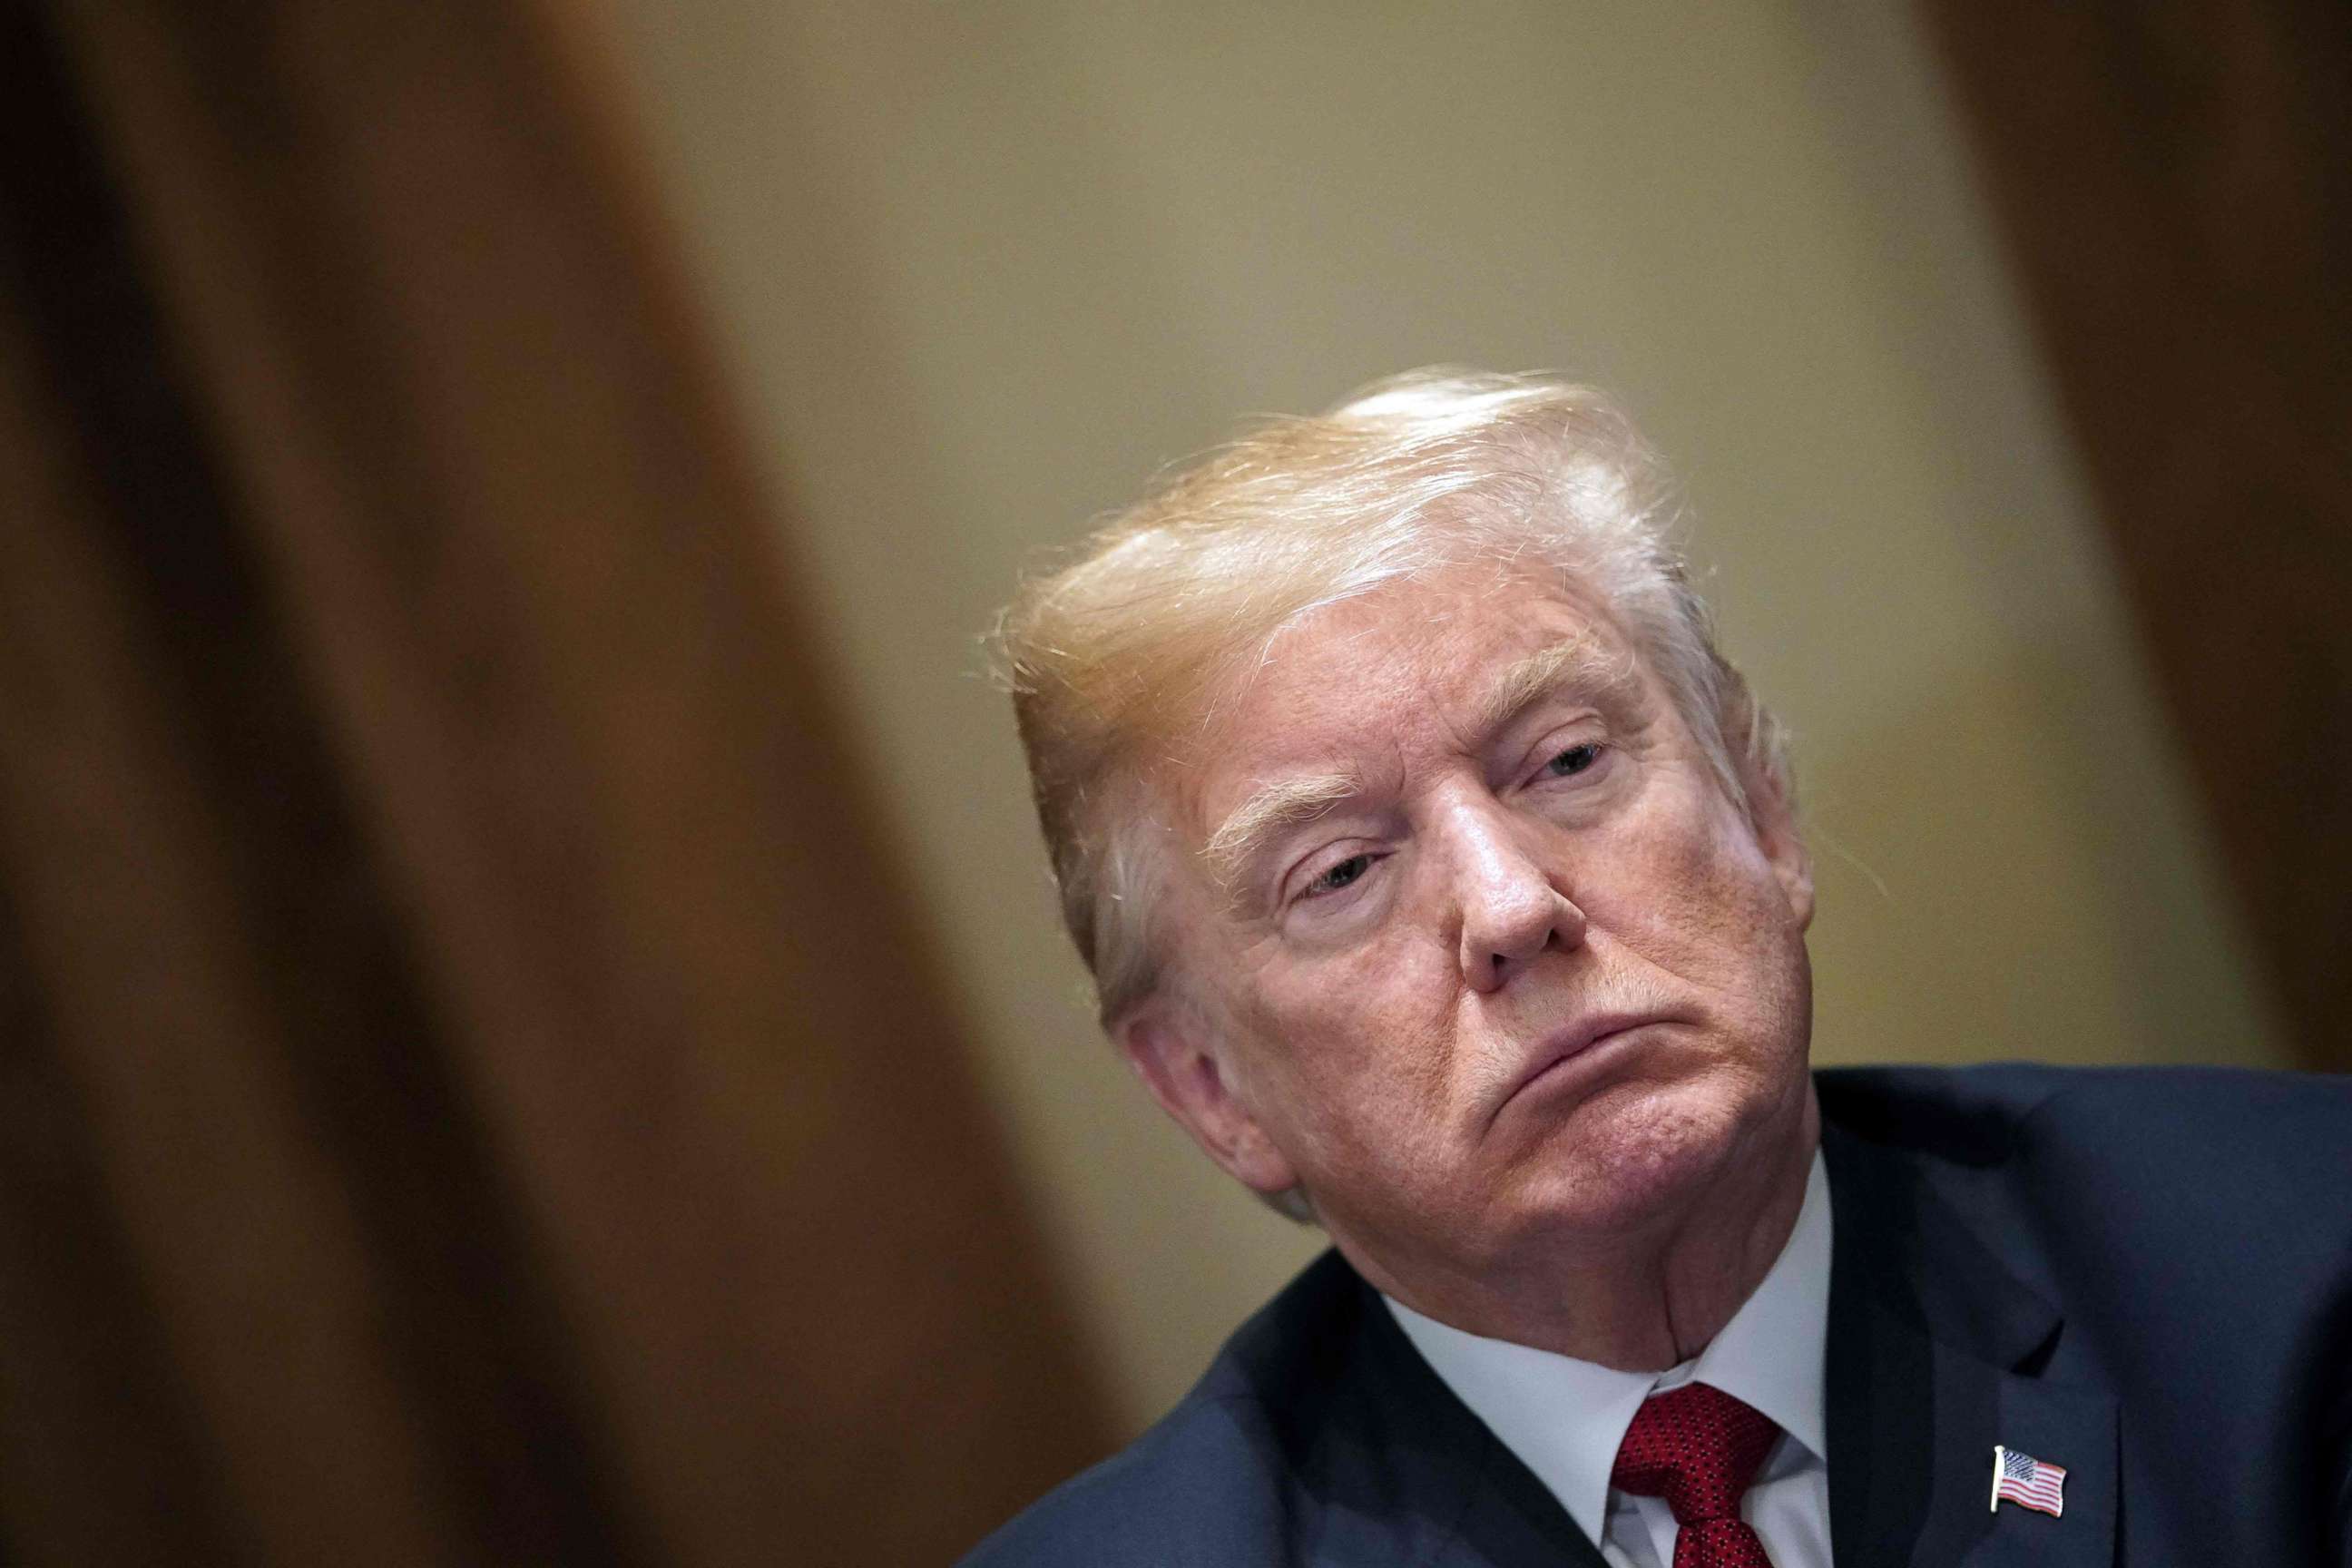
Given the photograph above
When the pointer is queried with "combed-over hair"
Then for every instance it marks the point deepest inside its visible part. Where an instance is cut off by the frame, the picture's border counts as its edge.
(1118, 656)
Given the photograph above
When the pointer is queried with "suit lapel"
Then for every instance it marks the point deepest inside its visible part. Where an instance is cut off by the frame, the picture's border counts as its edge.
(1511, 1518)
(1933, 1345)
(1406, 1473)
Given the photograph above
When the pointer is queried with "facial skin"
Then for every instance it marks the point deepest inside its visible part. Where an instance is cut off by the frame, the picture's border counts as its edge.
(1481, 954)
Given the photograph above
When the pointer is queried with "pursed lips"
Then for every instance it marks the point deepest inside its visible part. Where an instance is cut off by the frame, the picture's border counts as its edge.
(1564, 1045)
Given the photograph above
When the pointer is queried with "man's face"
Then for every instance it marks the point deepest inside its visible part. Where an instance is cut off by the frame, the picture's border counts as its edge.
(1489, 956)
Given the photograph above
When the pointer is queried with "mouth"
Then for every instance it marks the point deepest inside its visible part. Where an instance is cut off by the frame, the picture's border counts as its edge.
(1550, 1061)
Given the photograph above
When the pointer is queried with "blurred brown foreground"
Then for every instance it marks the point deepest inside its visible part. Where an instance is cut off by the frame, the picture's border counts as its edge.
(470, 1095)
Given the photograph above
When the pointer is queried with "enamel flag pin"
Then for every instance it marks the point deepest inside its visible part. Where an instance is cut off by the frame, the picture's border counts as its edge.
(2026, 1481)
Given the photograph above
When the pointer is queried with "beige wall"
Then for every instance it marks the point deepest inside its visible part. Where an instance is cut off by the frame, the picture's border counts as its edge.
(980, 268)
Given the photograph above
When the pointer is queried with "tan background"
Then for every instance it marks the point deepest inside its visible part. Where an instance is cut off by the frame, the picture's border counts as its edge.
(977, 271)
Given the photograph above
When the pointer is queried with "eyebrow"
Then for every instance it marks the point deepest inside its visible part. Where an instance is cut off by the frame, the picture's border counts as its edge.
(1582, 665)
(1270, 813)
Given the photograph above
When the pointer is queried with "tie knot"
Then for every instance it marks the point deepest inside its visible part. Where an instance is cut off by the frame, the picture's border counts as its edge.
(1697, 1447)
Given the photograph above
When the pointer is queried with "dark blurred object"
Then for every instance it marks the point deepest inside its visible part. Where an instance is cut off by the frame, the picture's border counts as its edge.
(474, 1090)
(2176, 184)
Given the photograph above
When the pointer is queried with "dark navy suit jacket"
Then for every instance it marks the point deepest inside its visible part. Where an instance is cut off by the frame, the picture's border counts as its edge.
(2144, 1276)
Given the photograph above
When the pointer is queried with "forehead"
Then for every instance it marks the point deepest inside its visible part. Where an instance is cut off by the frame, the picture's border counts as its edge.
(1415, 667)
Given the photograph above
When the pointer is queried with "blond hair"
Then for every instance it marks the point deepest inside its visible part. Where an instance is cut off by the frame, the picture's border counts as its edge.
(1117, 658)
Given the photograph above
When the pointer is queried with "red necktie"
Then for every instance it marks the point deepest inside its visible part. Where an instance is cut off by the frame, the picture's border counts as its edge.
(1698, 1448)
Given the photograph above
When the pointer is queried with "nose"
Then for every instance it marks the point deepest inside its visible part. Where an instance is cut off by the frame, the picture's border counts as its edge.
(1511, 909)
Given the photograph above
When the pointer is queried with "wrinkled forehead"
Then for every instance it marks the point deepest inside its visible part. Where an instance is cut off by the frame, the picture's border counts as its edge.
(1412, 669)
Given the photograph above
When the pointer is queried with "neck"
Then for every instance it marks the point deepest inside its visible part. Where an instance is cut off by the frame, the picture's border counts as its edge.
(1643, 1299)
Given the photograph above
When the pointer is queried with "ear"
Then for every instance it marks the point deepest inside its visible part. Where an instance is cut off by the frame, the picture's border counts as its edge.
(1174, 1053)
(1774, 817)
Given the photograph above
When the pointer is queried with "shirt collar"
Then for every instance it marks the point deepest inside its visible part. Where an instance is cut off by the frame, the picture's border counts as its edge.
(1565, 1418)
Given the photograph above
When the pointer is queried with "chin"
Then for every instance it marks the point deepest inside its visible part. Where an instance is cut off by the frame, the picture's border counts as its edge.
(1634, 1160)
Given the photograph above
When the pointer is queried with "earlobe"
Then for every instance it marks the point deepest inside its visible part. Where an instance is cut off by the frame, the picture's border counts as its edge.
(1173, 1054)
(1783, 845)
(1795, 869)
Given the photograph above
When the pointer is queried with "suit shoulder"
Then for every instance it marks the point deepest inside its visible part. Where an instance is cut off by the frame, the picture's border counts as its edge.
(1210, 1483)
(2210, 1157)
(2185, 1173)
(1190, 1490)
(1976, 1115)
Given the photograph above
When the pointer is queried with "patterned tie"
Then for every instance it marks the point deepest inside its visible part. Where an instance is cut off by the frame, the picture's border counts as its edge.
(1698, 1448)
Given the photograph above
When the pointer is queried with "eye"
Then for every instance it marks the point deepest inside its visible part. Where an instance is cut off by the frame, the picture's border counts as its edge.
(1575, 760)
(1338, 876)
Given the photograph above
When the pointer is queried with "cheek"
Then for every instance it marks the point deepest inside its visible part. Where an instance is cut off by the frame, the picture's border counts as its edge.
(1747, 944)
(1699, 896)
(1365, 1041)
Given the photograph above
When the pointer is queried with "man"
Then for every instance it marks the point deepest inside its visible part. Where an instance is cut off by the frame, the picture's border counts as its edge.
(1442, 879)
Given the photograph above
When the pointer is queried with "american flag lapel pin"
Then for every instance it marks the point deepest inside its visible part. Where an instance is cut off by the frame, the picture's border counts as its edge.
(2027, 1481)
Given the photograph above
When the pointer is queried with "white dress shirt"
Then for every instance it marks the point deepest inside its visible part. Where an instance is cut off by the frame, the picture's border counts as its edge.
(1565, 1418)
